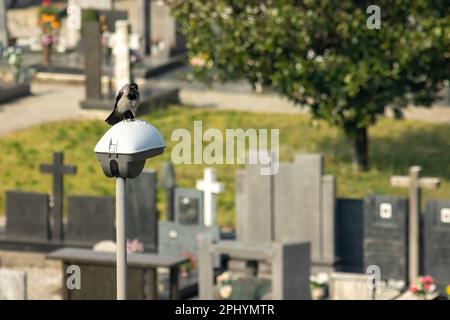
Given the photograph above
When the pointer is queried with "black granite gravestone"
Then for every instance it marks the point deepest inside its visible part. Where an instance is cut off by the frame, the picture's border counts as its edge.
(90, 220)
(386, 236)
(27, 216)
(350, 234)
(188, 206)
(141, 210)
(436, 242)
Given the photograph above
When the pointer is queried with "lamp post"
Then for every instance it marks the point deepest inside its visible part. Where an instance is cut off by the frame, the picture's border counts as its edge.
(122, 152)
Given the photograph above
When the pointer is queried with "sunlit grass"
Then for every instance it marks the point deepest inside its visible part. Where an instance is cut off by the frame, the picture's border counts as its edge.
(395, 145)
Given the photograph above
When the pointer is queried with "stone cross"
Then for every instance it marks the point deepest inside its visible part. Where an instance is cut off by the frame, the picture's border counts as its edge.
(210, 188)
(168, 183)
(121, 53)
(73, 23)
(414, 182)
(58, 170)
(3, 25)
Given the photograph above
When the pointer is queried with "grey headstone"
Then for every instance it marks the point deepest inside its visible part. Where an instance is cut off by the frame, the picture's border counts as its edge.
(307, 185)
(93, 60)
(176, 239)
(188, 206)
(350, 234)
(3, 26)
(143, 25)
(240, 199)
(90, 219)
(386, 236)
(13, 285)
(27, 216)
(436, 237)
(141, 210)
(254, 205)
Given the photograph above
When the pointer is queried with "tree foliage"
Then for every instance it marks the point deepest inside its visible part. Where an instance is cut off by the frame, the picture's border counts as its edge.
(322, 54)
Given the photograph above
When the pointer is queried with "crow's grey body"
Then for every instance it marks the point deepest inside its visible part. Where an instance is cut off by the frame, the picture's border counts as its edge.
(127, 102)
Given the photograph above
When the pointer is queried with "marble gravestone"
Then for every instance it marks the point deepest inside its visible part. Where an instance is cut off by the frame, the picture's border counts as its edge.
(188, 206)
(436, 242)
(386, 236)
(141, 209)
(90, 220)
(93, 58)
(13, 284)
(27, 216)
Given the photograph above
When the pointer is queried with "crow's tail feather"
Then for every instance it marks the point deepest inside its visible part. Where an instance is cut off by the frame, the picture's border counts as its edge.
(113, 118)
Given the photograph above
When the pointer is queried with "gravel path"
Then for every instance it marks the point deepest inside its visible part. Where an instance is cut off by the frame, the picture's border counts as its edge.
(49, 102)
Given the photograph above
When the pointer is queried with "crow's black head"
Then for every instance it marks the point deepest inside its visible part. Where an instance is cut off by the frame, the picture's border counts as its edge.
(133, 91)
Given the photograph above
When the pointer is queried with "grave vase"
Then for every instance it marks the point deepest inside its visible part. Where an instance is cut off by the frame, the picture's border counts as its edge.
(319, 293)
(47, 49)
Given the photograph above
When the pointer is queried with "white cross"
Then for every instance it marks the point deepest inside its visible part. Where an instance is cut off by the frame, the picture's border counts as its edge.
(210, 188)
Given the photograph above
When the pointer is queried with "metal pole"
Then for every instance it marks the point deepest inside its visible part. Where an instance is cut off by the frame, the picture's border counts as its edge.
(121, 240)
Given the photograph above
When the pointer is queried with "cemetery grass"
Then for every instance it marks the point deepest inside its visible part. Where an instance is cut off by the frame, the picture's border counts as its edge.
(394, 146)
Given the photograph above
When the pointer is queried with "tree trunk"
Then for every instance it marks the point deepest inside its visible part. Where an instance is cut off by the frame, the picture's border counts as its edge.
(360, 152)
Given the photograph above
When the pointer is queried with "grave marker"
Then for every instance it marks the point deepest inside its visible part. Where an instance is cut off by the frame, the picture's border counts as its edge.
(93, 61)
(188, 206)
(386, 236)
(436, 242)
(168, 183)
(90, 220)
(143, 26)
(3, 26)
(210, 188)
(414, 182)
(13, 285)
(141, 210)
(121, 53)
(58, 170)
(27, 216)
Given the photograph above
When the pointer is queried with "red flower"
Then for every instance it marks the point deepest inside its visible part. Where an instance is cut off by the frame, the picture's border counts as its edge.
(46, 3)
(426, 280)
(413, 288)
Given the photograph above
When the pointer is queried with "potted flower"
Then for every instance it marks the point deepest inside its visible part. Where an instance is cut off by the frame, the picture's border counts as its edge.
(14, 58)
(319, 285)
(50, 22)
(187, 267)
(224, 283)
(423, 286)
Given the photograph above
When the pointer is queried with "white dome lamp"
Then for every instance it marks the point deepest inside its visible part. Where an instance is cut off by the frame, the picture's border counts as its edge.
(122, 152)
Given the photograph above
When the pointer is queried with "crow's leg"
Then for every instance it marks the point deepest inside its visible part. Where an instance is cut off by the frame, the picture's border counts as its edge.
(128, 115)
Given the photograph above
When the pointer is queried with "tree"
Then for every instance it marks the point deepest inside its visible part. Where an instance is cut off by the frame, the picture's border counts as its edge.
(324, 55)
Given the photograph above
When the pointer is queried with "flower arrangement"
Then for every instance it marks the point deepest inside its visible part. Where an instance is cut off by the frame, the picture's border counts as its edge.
(224, 282)
(49, 21)
(187, 267)
(423, 286)
(319, 281)
(14, 57)
(134, 246)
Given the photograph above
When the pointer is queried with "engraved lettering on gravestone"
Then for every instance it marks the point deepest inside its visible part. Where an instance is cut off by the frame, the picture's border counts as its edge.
(445, 215)
(374, 20)
(385, 210)
(74, 277)
(375, 275)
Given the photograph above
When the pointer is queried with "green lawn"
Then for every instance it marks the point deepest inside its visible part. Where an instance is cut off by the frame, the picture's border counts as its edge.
(395, 145)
